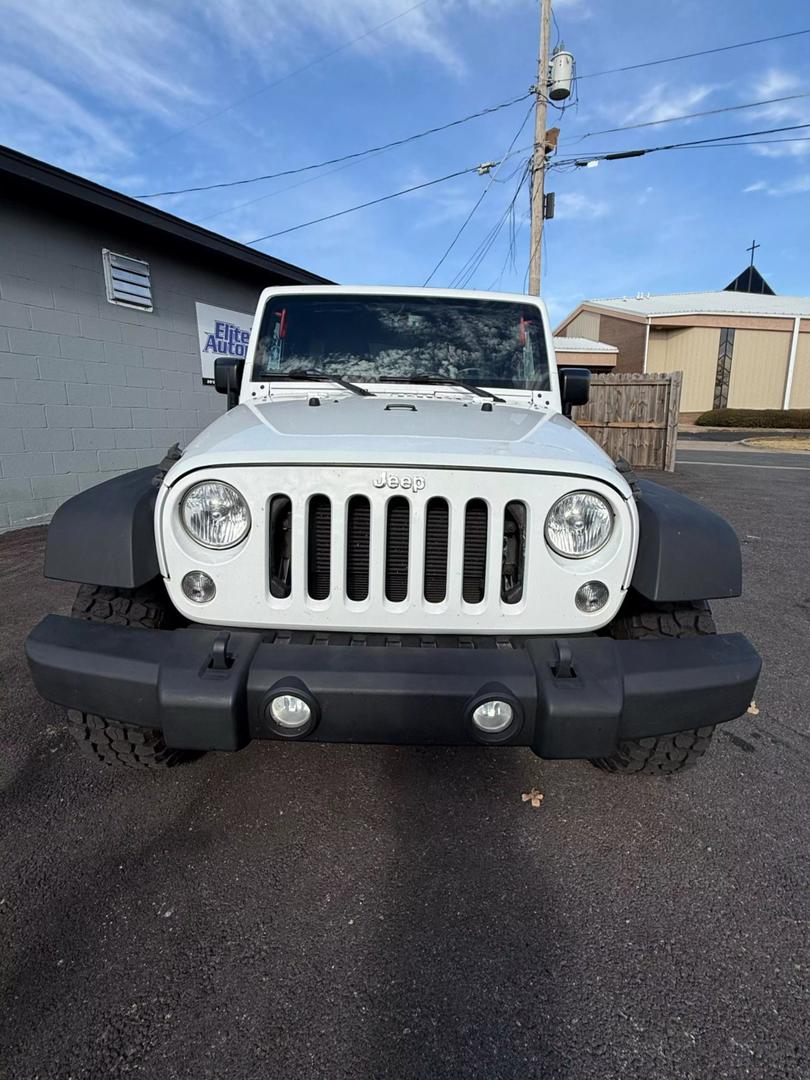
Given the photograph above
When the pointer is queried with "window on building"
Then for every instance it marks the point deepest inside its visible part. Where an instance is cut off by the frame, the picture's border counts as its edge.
(127, 280)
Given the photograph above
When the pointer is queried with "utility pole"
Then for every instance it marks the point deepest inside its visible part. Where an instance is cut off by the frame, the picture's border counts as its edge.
(539, 155)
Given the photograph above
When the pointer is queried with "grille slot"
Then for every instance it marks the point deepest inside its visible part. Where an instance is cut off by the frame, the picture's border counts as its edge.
(397, 544)
(319, 541)
(280, 534)
(514, 552)
(475, 552)
(358, 540)
(437, 521)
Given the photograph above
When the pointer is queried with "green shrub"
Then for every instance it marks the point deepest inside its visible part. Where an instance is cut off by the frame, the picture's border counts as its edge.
(755, 418)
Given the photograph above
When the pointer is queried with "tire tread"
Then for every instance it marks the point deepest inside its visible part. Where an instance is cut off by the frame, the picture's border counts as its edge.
(108, 740)
(661, 755)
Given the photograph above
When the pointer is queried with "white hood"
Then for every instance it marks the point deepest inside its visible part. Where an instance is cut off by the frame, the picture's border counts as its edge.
(398, 432)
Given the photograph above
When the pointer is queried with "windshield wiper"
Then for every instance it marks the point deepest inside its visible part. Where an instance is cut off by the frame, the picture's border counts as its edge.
(440, 380)
(320, 376)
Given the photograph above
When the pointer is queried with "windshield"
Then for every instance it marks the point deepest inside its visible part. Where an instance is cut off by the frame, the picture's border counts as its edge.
(370, 338)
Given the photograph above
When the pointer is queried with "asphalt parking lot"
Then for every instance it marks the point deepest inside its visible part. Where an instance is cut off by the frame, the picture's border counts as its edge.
(305, 911)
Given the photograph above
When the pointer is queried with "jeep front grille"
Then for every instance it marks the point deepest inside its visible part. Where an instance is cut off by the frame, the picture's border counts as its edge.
(480, 575)
(366, 549)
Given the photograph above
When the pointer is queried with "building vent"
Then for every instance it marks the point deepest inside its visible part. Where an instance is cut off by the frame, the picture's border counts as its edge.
(127, 281)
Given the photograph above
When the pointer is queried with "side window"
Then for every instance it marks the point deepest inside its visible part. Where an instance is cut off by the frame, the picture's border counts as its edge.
(127, 280)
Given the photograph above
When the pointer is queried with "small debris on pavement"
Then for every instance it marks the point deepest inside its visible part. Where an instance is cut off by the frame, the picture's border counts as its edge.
(534, 796)
(752, 709)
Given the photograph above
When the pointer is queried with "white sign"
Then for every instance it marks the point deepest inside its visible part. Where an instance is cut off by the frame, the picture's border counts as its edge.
(222, 333)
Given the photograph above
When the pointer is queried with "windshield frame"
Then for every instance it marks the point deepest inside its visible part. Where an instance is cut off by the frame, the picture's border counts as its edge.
(252, 378)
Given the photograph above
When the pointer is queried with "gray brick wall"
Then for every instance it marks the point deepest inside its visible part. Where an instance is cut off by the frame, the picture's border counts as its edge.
(90, 389)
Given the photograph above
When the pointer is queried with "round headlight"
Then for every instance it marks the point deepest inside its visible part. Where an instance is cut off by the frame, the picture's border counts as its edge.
(579, 524)
(215, 514)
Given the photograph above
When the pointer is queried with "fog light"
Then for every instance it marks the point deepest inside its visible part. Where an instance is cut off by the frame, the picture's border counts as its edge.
(199, 587)
(592, 596)
(493, 716)
(290, 711)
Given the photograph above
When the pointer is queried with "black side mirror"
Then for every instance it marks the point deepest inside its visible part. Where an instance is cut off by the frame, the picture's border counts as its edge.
(228, 377)
(575, 387)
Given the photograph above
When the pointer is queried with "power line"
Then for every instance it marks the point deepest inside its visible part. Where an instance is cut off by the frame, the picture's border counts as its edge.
(692, 55)
(480, 198)
(287, 187)
(471, 266)
(489, 242)
(601, 154)
(312, 180)
(290, 74)
(692, 116)
(489, 237)
(321, 176)
(717, 139)
(345, 157)
(402, 14)
(514, 230)
(362, 206)
(460, 230)
(755, 142)
(355, 156)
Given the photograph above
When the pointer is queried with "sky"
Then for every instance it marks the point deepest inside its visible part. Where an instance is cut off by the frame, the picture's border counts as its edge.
(149, 96)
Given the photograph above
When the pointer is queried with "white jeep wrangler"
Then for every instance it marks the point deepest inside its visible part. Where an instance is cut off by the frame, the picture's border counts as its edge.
(395, 534)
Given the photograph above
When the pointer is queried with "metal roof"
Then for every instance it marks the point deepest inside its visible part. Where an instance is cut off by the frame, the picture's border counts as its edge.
(582, 344)
(20, 170)
(708, 303)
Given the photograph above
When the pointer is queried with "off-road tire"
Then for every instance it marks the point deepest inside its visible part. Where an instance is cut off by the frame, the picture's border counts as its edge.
(660, 755)
(148, 606)
(127, 747)
(97, 736)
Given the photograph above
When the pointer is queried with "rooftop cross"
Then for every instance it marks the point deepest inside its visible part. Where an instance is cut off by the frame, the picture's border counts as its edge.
(752, 249)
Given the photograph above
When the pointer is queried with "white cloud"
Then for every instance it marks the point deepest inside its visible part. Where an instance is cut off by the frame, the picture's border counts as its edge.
(799, 185)
(663, 101)
(780, 83)
(127, 75)
(120, 52)
(575, 205)
(788, 148)
(56, 122)
(274, 29)
(777, 83)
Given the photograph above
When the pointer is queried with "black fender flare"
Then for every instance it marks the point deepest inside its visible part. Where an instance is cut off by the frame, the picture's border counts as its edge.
(685, 551)
(106, 534)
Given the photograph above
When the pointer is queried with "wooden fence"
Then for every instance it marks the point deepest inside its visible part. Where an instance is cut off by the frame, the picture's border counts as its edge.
(634, 417)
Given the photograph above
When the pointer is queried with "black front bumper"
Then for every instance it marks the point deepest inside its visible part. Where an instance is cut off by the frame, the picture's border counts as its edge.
(573, 697)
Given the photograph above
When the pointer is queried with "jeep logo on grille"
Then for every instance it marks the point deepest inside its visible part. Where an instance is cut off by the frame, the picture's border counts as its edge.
(406, 482)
